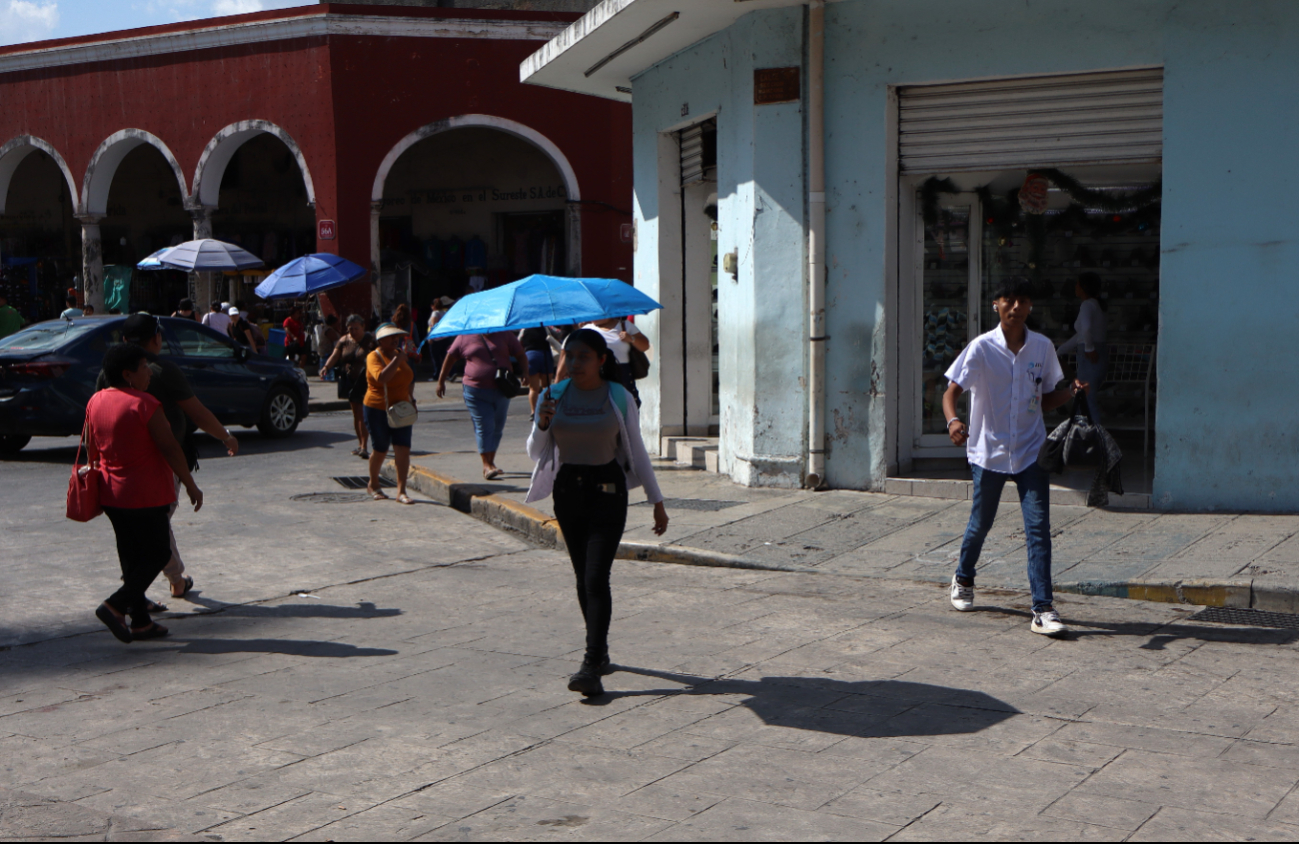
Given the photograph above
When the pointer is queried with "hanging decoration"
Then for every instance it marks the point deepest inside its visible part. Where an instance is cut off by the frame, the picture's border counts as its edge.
(1015, 214)
(1033, 194)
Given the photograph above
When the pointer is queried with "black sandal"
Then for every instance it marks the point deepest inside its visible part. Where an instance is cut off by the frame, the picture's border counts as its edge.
(114, 624)
(189, 584)
(154, 608)
(153, 631)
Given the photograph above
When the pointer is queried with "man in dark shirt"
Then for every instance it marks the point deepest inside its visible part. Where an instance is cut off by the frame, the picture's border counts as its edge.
(181, 407)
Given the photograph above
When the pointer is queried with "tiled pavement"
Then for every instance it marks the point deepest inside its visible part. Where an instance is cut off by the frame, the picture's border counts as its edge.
(430, 705)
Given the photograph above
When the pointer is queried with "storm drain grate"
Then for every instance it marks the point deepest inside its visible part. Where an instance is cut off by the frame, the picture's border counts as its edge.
(361, 482)
(709, 505)
(1251, 618)
(331, 498)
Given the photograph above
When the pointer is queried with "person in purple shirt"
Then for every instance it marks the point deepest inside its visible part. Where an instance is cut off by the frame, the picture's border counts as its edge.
(483, 355)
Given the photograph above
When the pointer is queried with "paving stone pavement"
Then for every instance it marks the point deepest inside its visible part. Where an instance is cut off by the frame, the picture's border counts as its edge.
(430, 705)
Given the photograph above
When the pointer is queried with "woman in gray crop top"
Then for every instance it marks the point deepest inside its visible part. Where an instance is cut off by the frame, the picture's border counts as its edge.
(588, 426)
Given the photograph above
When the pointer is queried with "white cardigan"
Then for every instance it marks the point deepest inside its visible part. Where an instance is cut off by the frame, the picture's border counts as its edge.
(632, 457)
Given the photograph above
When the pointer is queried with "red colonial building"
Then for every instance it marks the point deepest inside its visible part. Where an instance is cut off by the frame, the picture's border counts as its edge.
(399, 137)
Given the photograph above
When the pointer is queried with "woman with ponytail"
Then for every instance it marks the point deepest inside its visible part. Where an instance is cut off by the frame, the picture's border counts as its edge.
(587, 445)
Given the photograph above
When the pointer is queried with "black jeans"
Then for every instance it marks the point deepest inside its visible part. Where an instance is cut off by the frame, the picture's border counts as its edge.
(143, 548)
(591, 506)
(629, 382)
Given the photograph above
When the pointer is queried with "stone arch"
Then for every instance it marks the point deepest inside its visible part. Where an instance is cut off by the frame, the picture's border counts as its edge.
(218, 152)
(14, 151)
(487, 121)
(104, 163)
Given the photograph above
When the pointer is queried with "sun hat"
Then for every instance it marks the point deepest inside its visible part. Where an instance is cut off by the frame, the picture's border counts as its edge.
(389, 330)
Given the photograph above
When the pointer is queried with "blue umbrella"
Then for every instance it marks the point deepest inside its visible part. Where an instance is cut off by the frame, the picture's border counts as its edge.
(152, 262)
(543, 300)
(309, 274)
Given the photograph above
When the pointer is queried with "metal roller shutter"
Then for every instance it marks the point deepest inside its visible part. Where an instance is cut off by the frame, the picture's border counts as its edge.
(1092, 118)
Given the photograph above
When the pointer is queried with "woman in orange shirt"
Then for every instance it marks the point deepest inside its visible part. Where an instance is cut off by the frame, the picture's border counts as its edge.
(388, 379)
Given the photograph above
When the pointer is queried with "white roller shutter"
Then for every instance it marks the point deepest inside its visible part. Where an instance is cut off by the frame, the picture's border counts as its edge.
(692, 155)
(1091, 118)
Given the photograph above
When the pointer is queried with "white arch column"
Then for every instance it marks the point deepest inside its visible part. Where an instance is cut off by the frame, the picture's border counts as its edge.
(92, 262)
(201, 291)
(376, 286)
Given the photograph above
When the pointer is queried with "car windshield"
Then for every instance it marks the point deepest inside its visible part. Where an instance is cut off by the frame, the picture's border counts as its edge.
(47, 336)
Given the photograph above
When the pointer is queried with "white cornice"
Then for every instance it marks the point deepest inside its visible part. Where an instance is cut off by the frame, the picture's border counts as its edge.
(256, 32)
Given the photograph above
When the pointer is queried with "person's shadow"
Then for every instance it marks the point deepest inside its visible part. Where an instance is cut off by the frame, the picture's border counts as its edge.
(208, 606)
(870, 708)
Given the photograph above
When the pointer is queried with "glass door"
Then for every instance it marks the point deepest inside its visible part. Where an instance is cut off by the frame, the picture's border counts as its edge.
(948, 309)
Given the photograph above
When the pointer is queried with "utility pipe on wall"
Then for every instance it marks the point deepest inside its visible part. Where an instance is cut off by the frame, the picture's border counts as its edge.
(816, 244)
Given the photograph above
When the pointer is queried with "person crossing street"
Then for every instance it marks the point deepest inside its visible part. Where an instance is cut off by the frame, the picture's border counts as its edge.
(1010, 373)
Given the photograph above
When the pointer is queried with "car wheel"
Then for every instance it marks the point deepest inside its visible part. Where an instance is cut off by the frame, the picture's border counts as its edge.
(280, 415)
(13, 443)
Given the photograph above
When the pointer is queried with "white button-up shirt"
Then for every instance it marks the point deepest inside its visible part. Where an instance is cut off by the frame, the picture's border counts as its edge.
(1006, 389)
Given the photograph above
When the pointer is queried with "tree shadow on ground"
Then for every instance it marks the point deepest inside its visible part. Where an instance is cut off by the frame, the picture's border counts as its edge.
(287, 647)
(1162, 633)
(868, 708)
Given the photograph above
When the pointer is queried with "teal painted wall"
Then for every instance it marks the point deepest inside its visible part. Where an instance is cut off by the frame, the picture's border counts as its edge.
(1228, 300)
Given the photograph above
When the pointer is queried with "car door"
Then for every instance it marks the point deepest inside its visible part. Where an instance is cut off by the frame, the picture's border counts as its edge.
(216, 370)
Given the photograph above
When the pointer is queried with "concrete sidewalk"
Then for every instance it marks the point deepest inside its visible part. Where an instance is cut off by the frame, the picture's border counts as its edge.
(1220, 559)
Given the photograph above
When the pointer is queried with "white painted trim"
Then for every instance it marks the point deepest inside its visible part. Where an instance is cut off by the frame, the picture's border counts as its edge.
(255, 32)
(15, 150)
(526, 133)
(218, 152)
(103, 166)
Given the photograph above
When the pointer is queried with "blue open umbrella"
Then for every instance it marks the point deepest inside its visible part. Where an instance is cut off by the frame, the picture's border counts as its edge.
(309, 274)
(206, 255)
(543, 300)
(152, 262)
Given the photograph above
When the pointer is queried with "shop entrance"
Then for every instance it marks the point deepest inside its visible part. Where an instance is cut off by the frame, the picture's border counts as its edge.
(469, 209)
(40, 240)
(965, 233)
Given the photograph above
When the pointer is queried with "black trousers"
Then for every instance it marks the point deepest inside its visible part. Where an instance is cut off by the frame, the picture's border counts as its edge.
(143, 548)
(591, 506)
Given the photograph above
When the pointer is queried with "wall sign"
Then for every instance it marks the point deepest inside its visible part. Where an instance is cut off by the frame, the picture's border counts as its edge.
(776, 85)
(326, 230)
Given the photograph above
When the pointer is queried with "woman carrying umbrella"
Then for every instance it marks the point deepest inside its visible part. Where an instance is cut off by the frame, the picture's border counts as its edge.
(587, 446)
(349, 355)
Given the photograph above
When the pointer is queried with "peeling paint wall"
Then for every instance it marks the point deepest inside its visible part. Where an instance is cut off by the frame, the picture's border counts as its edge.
(1227, 303)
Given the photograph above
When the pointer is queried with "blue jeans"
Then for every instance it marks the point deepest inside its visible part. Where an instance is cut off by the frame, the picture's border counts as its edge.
(488, 408)
(1035, 502)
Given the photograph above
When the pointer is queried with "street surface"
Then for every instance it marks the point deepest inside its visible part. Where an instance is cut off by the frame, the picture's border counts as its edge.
(351, 670)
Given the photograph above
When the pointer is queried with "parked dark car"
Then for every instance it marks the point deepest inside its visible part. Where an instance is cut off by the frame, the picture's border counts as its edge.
(48, 372)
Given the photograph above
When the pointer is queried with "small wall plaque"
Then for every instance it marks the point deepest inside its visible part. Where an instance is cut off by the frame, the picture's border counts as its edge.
(776, 85)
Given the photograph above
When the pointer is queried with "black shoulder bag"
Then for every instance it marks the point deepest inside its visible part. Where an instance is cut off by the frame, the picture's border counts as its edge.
(507, 380)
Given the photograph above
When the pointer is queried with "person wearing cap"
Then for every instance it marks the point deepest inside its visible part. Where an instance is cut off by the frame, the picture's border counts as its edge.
(181, 407)
(388, 379)
(1011, 374)
(243, 332)
(10, 320)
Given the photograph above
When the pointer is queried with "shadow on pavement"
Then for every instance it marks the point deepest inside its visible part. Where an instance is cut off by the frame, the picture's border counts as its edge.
(364, 609)
(287, 647)
(872, 708)
(1161, 634)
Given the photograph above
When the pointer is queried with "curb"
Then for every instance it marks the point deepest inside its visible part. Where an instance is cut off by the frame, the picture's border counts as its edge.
(480, 502)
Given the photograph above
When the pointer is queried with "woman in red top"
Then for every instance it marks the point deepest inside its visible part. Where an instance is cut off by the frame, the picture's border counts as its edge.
(130, 442)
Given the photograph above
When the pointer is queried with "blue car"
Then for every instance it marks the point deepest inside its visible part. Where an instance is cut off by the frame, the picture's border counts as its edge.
(48, 372)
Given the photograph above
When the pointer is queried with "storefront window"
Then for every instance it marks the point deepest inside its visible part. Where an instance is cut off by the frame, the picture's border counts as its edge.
(946, 307)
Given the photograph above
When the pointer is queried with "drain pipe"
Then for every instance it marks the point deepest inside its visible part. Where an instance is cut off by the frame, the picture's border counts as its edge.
(816, 245)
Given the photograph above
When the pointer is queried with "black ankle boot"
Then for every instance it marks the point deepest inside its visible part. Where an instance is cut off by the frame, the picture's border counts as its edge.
(587, 679)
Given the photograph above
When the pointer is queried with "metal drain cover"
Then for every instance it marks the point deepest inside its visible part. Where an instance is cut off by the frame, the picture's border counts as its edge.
(709, 505)
(1251, 618)
(331, 497)
(361, 482)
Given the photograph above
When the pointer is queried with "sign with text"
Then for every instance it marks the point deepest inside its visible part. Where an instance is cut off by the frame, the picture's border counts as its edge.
(776, 85)
(326, 230)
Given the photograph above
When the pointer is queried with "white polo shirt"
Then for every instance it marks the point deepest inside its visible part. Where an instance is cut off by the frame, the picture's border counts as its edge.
(1006, 426)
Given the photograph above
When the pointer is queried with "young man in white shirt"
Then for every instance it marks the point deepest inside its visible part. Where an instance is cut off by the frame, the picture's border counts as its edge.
(1011, 374)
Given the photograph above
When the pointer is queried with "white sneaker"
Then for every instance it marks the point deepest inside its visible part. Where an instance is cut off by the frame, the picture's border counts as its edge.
(962, 596)
(1048, 623)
